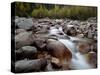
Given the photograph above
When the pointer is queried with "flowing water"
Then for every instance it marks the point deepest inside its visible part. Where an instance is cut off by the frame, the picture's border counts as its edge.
(78, 60)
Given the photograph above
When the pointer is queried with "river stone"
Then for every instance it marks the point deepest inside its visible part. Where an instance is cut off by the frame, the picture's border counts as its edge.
(70, 30)
(45, 20)
(58, 50)
(92, 58)
(29, 49)
(90, 34)
(18, 20)
(26, 52)
(26, 24)
(55, 60)
(39, 43)
(80, 35)
(17, 31)
(30, 65)
(49, 67)
(83, 48)
(41, 28)
(23, 39)
(92, 20)
(59, 21)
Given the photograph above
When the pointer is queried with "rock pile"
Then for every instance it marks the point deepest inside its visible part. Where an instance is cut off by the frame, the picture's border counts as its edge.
(33, 50)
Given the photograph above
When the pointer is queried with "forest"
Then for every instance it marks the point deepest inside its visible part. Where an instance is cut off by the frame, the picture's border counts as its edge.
(54, 11)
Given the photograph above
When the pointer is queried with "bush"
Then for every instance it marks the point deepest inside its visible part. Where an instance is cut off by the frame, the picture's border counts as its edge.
(40, 12)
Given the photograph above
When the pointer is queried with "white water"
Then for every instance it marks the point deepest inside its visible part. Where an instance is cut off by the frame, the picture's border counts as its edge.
(61, 30)
(78, 60)
(69, 44)
(54, 31)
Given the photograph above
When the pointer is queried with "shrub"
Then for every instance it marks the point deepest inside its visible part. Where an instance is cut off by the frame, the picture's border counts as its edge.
(40, 12)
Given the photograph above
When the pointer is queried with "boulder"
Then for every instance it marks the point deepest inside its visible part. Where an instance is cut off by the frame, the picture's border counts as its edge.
(23, 66)
(58, 50)
(26, 52)
(70, 30)
(39, 43)
(18, 20)
(83, 48)
(26, 24)
(38, 28)
(23, 39)
(92, 59)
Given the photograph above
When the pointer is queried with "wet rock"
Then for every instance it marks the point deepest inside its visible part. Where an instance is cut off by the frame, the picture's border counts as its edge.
(92, 59)
(95, 47)
(30, 65)
(23, 39)
(84, 48)
(56, 63)
(70, 30)
(55, 60)
(53, 64)
(58, 50)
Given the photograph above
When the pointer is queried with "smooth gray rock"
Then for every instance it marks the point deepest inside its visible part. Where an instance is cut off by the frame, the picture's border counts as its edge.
(30, 65)
(29, 49)
(26, 24)
(23, 39)
(18, 20)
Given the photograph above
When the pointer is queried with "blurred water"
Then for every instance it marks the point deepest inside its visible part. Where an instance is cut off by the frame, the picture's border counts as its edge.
(78, 60)
(54, 31)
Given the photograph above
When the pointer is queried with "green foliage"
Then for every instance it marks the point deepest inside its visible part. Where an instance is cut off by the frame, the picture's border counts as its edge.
(22, 9)
(56, 11)
(40, 12)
